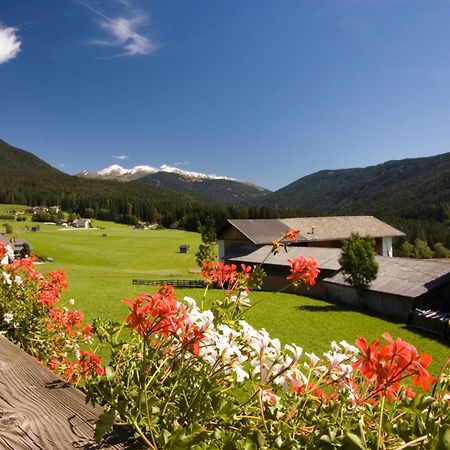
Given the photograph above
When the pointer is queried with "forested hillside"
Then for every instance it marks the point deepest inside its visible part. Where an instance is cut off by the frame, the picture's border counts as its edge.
(26, 179)
(412, 194)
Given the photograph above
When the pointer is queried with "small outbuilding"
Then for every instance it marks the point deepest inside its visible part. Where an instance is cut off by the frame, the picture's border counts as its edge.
(82, 223)
(401, 286)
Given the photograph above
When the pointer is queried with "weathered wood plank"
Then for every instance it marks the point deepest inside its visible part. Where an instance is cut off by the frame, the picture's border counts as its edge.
(38, 411)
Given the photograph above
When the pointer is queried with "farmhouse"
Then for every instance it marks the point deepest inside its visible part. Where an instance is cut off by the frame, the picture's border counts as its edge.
(16, 245)
(326, 232)
(402, 284)
(82, 223)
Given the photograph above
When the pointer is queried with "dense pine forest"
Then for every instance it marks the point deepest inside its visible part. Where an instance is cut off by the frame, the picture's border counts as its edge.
(28, 180)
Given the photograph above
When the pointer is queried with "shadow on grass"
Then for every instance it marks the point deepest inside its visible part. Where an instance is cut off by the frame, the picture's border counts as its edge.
(338, 308)
(325, 308)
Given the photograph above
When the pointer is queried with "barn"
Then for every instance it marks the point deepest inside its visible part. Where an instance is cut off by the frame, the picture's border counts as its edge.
(401, 286)
(326, 232)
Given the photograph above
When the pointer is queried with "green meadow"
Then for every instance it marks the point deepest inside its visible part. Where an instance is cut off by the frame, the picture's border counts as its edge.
(100, 264)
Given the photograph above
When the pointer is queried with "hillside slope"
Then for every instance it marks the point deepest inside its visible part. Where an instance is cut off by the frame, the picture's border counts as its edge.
(224, 190)
(26, 179)
(407, 188)
(221, 190)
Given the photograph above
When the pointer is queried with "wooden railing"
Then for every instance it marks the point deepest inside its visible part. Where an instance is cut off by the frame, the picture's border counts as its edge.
(174, 283)
(39, 411)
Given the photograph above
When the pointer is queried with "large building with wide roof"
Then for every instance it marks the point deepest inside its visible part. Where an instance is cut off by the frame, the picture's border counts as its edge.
(327, 232)
(402, 284)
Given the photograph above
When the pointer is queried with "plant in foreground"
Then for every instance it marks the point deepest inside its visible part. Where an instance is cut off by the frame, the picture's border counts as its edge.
(184, 377)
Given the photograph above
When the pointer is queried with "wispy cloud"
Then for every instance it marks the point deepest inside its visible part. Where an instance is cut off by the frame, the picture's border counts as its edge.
(9, 43)
(181, 163)
(123, 31)
(121, 157)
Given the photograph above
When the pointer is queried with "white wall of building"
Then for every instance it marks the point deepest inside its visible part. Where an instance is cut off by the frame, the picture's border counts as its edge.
(387, 246)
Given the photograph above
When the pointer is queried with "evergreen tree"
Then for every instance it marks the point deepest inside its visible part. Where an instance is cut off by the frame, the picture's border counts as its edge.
(358, 262)
(207, 249)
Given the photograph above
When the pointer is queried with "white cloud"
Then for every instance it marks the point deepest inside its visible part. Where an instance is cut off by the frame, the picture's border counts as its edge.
(123, 33)
(121, 157)
(9, 44)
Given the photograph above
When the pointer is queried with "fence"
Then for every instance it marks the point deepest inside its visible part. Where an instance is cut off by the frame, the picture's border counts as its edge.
(174, 283)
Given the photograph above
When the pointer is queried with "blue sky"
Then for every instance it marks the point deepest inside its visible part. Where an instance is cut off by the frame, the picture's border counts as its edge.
(265, 91)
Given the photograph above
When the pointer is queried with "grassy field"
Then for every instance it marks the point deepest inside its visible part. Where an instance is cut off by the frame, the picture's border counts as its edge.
(100, 268)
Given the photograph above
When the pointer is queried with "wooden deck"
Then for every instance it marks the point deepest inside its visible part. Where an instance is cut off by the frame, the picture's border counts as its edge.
(39, 411)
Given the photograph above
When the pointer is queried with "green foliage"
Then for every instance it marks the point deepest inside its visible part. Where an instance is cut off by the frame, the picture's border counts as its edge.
(45, 216)
(421, 250)
(440, 251)
(8, 228)
(406, 249)
(207, 249)
(358, 262)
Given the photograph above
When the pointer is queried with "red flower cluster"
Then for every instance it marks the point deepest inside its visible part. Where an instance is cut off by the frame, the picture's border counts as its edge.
(159, 313)
(303, 271)
(389, 364)
(66, 320)
(226, 276)
(290, 235)
(2, 250)
(50, 287)
(25, 265)
(87, 365)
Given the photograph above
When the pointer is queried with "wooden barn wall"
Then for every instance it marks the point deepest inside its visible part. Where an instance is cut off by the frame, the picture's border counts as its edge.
(394, 306)
(276, 280)
(438, 298)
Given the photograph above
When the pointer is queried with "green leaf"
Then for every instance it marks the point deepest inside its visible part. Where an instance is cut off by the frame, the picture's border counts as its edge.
(443, 441)
(353, 441)
(104, 424)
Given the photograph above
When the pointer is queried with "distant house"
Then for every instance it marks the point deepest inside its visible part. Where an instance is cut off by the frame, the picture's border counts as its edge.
(402, 284)
(36, 209)
(82, 223)
(16, 245)
(54, 209)
(184, 248)
(141, 226)
(327, 232)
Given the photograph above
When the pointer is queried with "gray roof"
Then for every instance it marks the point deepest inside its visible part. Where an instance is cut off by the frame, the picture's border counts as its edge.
(260, 231)
(340, 227)
(327, 258)
(404, 276)
(265, 231)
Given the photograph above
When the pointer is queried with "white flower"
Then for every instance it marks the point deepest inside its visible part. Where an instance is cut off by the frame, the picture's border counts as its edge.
(8, 317)
(18, 280)
(71, 301)
(6, 278)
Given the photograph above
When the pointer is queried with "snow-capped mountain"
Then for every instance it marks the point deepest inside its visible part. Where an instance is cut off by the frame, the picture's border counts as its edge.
(116, 172)
(218, 188)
